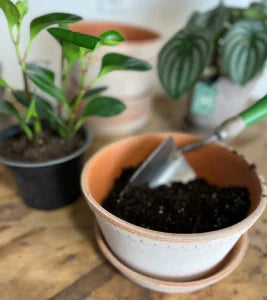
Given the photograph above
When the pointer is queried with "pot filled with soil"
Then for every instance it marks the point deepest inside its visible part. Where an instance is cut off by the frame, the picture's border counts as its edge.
(44, 150)
(46, 169)
(190, 228)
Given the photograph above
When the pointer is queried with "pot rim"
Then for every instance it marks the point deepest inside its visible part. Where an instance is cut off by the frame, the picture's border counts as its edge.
(25, 164)
(241, 226)
(156, 35)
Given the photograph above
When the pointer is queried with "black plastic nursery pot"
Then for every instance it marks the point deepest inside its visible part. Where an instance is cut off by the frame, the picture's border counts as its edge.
(51, 184)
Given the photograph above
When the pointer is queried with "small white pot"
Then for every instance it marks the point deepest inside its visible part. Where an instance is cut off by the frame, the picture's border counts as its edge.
(230, 100)
(167, 256)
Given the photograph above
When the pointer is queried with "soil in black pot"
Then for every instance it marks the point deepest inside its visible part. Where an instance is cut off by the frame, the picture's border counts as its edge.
(179, 208)
(45, 146)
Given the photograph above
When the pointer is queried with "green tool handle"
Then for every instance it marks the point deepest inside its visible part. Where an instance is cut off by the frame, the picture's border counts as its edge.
(255, 112)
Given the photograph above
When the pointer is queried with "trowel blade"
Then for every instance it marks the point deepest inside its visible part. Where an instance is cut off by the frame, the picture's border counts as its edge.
(163, 166)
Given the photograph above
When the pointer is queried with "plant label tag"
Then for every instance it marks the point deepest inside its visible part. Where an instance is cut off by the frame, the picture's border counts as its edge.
(203, 99)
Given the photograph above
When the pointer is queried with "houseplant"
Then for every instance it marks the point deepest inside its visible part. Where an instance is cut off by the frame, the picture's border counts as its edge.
(48, 175)
(218, 54)
(137, 91)
(183, 257)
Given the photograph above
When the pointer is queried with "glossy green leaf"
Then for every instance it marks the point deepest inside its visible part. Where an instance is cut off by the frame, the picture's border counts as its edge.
(115, 61)
(244, 50)
(42, 22)
(8, 108)
(79, 39)
(21, 98)
(11, 12)
(94, 91)
(43, 72)
(22, 7)
(111, 38)
(47, 86)
(183, 59)
(3, 83)
(103, 107)
(89, 94)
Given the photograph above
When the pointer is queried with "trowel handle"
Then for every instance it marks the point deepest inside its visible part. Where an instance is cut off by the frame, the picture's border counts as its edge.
(255, 112)
(235, 125)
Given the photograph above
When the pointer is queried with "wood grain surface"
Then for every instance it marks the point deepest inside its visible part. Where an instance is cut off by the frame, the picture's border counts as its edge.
(53, 255)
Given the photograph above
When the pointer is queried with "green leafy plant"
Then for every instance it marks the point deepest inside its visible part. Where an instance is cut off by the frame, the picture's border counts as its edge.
(70, 114)
(230, 41)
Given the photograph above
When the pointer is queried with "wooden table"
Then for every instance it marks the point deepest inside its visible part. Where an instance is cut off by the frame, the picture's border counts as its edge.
(54, 254)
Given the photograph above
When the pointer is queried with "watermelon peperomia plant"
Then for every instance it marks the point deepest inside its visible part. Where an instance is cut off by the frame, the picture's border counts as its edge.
(230, 41)
(70, 114)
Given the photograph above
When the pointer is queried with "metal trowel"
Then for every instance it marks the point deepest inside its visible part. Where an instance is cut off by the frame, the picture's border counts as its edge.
(167, 164)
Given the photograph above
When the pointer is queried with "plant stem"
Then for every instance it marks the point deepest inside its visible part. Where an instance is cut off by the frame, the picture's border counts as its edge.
(37, 126)
(21, 62)
(78, 100)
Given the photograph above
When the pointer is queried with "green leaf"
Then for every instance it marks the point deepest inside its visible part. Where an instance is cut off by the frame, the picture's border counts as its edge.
(89, 94)
(79, 39)
(103, 107)
(40, 23)
(244, 50)
(20, 97)
(111, 38)
(43, 72)
(3, 83)
(115, 61)
(47, 86)
(8, 108)
(212, 20)
(183, 59)
(11, 12)
(22, 7)
(95, 91)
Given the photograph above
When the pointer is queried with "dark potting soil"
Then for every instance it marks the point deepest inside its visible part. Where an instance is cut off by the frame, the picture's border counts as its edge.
(45, 146)
(179, 208)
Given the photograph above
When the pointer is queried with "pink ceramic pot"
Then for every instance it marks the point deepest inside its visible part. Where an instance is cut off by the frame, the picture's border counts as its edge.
(167, 256)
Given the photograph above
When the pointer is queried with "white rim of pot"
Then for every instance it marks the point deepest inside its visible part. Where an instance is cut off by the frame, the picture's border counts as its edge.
(241, 226)
(26, 164)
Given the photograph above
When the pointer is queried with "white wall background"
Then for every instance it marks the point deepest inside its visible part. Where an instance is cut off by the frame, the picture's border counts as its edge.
(165, 16)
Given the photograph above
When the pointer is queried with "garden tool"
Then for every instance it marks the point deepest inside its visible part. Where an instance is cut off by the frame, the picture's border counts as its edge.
(167, 163)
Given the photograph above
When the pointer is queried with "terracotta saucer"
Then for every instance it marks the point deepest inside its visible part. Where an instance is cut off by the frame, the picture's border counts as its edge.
(228, 265)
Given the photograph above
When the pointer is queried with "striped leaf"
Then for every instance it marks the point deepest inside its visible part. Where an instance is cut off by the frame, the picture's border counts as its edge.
(244, 50)
(183, 59)
(212, 20)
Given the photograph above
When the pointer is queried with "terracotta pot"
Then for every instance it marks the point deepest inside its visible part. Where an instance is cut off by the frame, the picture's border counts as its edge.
(230, 100)
(182, 256)
(139, 42)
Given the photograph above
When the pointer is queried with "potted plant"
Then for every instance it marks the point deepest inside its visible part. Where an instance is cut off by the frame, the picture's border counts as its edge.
(44, 150)
(217, 57)
(188, 261)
